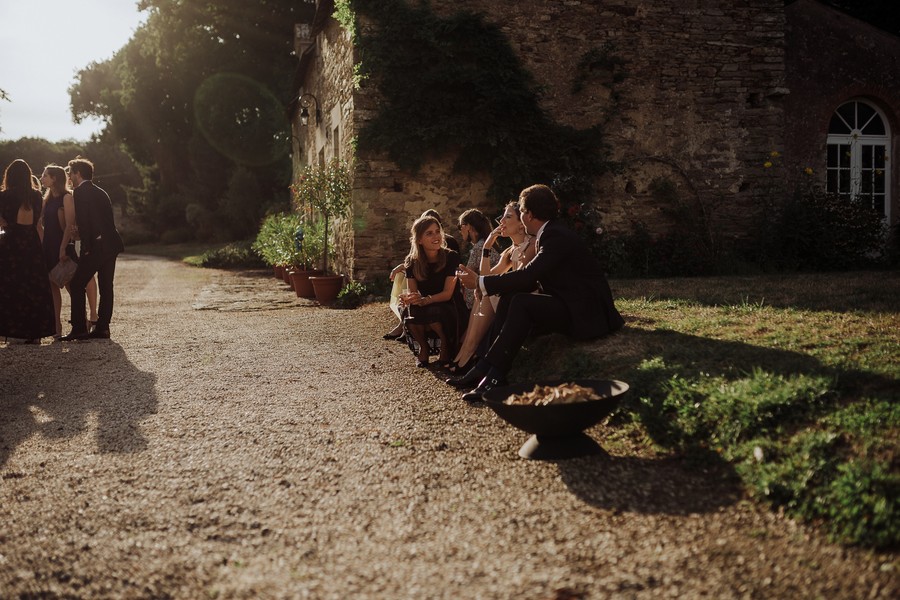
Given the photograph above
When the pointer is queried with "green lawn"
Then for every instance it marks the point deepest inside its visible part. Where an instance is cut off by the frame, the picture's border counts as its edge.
(790, 381)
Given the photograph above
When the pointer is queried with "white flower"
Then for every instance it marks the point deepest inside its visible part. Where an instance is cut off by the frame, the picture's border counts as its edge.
(758, 454)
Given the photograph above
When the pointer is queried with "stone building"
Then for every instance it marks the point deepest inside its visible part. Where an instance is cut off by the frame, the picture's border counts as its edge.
(713, 89)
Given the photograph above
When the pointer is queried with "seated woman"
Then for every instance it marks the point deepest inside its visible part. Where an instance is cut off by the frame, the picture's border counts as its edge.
(515, 257)
(398, 279)
(433, 302)
(475, 227)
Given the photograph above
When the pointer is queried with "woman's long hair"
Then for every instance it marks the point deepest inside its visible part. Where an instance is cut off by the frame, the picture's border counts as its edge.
(60, 185)
(416, 257)
(475, 219)
(17, 179)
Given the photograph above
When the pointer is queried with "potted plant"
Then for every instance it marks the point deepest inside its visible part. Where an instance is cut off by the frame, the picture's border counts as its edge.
(326, 190)
(270, 243)
(308, 244)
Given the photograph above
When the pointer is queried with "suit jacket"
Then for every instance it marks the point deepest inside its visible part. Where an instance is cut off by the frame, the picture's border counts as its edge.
(94, 217)
(565, 269)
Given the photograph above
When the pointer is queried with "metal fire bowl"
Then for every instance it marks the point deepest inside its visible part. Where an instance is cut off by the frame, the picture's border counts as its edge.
(557, 428)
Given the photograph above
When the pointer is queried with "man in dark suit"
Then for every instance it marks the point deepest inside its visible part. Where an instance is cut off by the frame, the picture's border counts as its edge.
(101, 244)
(573, 296)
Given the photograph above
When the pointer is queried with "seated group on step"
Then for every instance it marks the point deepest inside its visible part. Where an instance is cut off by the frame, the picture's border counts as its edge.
(475, 317)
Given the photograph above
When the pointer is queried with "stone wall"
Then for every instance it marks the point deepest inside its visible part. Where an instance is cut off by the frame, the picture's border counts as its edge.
(700, 107)
(329, 77)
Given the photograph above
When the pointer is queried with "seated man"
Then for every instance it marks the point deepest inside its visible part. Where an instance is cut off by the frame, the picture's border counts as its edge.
(573, 298)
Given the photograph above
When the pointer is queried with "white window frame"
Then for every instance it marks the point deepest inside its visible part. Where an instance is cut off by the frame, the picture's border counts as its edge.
(856, 141)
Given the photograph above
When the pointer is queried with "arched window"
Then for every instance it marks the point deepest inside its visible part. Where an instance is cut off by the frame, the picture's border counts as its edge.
(857, 165)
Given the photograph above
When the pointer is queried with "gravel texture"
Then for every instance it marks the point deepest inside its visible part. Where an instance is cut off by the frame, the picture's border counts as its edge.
(233, 441)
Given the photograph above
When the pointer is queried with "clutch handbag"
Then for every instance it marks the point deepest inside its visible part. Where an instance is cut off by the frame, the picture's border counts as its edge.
(62, 273)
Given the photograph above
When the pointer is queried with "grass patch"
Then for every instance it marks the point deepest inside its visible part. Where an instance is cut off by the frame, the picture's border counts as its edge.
(793, 381)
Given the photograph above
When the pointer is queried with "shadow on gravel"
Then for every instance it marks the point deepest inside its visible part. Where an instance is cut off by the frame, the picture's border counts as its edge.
(56, 390)
(672, 486)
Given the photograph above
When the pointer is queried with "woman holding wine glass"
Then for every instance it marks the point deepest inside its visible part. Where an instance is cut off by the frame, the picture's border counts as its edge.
(515, 257)
(432, 304)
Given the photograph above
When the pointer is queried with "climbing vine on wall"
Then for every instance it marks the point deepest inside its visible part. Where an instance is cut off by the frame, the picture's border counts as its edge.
(454, 84)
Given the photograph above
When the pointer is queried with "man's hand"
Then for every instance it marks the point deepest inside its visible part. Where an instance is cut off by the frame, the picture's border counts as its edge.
(467, 277)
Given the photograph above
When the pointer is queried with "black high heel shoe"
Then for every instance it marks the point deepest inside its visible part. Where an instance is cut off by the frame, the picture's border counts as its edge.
(458, 369)
(471, 378)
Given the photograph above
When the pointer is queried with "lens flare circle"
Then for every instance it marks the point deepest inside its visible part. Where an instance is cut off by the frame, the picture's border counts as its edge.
(242, 119)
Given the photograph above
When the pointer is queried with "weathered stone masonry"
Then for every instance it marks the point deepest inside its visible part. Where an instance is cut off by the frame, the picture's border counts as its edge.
(702, 106)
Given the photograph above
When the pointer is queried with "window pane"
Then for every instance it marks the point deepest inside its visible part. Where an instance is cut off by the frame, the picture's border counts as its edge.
(880, 152)
(832, 160)
(848, 112)
(866, 188)
(844, 157)
(879, 182)
(864, 112)
(838, 126)
(844, 181)
(866, 157)
(831, 181)
(874, 127)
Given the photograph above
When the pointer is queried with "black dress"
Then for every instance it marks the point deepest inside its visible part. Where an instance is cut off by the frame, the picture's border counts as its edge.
(53, 233)
(26, 305)
(452, 314)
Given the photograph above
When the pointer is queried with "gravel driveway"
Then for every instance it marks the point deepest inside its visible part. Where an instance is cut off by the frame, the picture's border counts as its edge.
(233, 441)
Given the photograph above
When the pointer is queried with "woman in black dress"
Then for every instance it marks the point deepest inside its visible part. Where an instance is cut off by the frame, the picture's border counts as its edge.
(433, 302)
(59, 236)
(26, 306)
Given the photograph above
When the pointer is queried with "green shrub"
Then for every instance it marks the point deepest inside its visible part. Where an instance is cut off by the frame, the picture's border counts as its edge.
(353, 295)
(289, 239)
(236, 255)
(823, 232)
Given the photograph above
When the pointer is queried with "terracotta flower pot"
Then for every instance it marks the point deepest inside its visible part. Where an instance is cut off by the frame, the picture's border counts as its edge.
(327, 287)
(289, 277)
(302, 286)
(279, 271)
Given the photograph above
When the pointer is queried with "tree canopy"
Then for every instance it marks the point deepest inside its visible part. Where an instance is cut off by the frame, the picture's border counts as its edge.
(196, 95)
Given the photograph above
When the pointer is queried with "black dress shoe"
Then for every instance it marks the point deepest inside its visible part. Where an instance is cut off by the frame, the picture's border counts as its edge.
(99, 334)
(472, 377)
(492, 380)
(74, 336)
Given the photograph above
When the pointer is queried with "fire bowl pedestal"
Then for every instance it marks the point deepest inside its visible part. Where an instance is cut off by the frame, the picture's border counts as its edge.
(558, 429)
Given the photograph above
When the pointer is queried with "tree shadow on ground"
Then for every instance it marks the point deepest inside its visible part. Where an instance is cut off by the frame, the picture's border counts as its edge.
(655, 484)
(54, 390)
(668, 485)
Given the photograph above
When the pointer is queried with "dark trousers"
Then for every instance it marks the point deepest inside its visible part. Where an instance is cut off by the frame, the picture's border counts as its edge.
(104, 265)
(519, 315)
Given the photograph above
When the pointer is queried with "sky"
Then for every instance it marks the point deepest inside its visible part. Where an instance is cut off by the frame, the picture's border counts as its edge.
(43, 44)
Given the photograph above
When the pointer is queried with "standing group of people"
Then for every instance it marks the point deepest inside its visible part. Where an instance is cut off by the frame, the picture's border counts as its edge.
(481, 313)
(39, 232)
